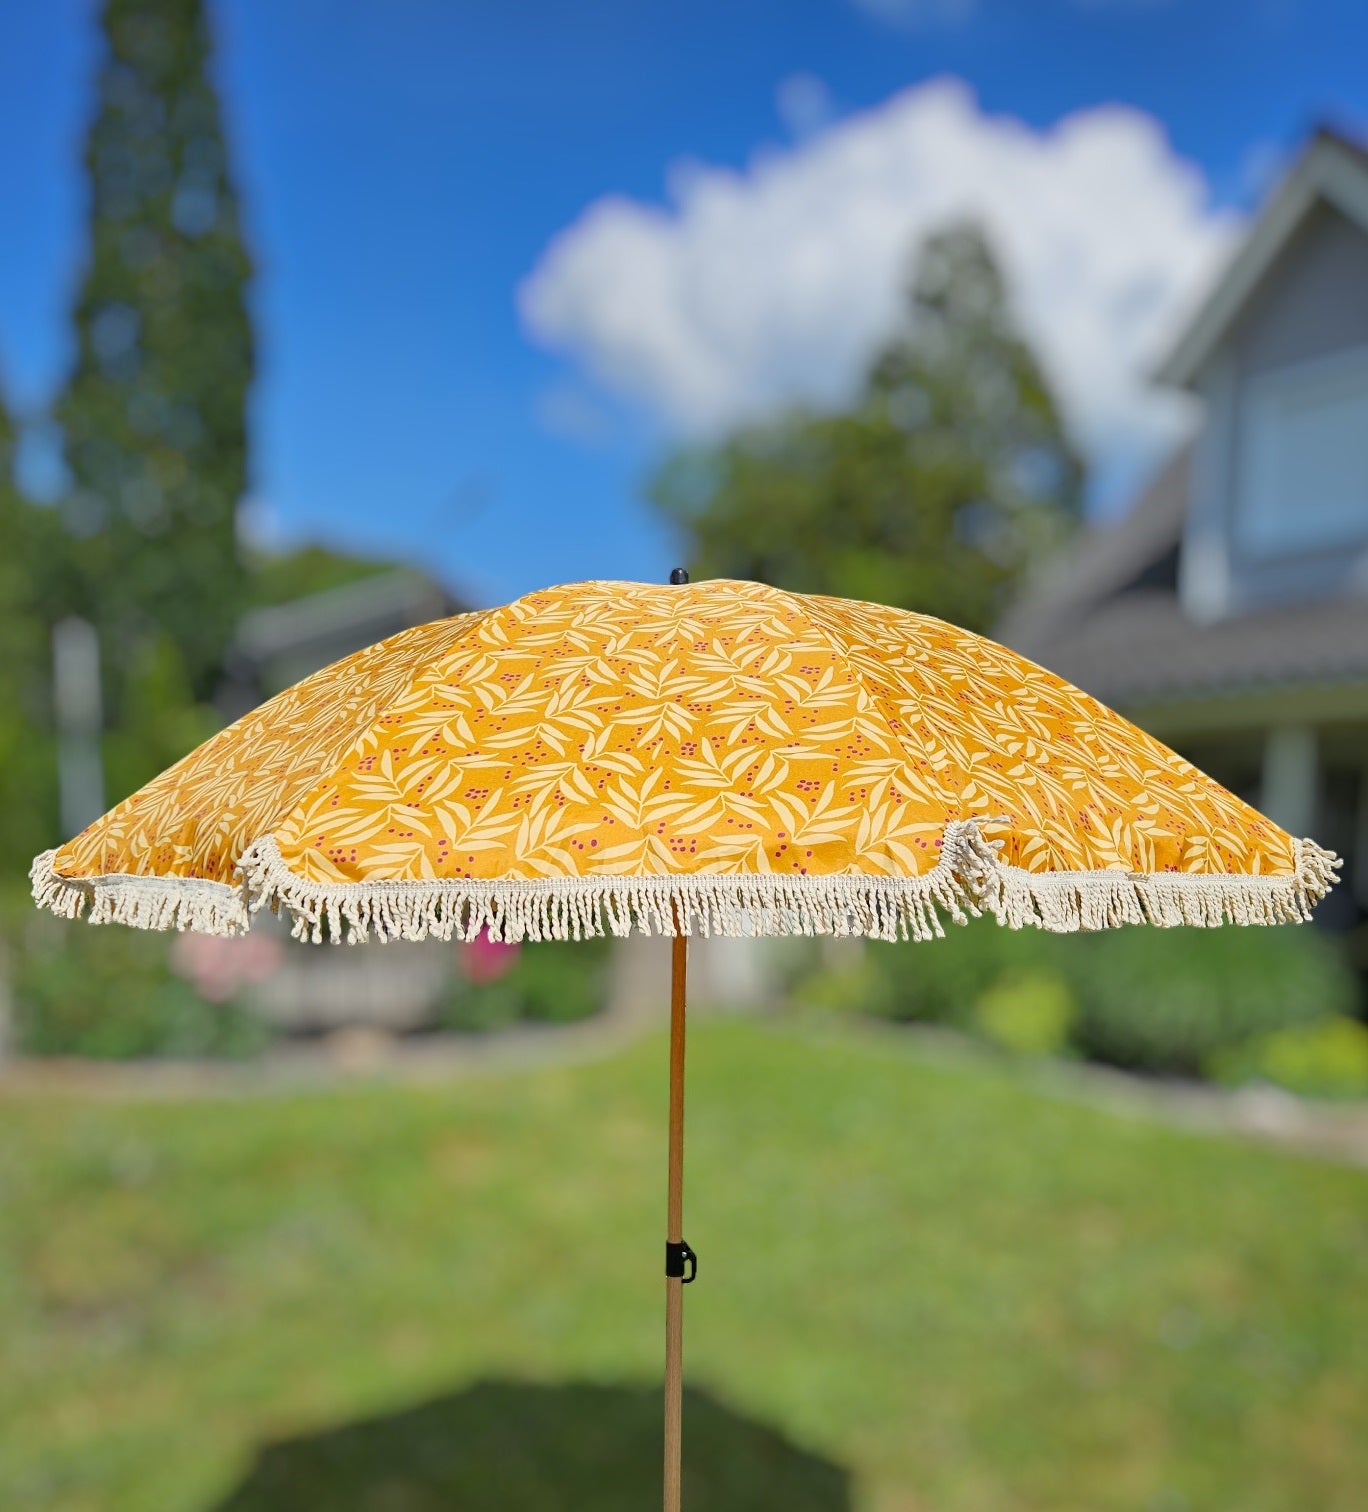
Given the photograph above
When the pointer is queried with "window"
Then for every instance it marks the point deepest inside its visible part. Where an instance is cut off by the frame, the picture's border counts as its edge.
(1303, 462)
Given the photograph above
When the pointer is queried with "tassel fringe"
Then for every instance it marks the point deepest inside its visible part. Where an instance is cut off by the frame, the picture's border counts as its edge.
(967, 880)
(1066, 902)
(573, 908)
(196, 903)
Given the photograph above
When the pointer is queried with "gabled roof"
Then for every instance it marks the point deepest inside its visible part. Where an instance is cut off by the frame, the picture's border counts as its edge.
(278, 644)
(1104, 560)
(1106, 615)
(358, 613)
(1332, 169)
(1140, 648)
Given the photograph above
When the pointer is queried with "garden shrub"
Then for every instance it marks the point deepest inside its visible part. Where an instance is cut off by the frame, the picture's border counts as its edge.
(941, 981)
(551, 981)
(111, 993)
(1167, 1000)
(1156, 1000)
(1326, 1059)
(1031, 1014)
(849, 980)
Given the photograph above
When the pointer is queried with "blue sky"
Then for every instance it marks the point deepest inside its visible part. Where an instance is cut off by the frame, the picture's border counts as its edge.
(406, 166)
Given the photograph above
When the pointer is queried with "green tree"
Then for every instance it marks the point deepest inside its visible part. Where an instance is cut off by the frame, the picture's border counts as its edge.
(154, 417)
(934, 491)
(276, 577)
(28, 786)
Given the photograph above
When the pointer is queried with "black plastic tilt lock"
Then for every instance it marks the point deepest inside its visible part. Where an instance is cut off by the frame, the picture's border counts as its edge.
(677, 1258)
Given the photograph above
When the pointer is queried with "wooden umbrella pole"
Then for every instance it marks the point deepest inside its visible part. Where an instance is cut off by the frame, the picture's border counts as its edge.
(678, 1256)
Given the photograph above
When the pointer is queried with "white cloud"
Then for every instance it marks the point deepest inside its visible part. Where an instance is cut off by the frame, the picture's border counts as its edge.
(754, 289)
(804, 104)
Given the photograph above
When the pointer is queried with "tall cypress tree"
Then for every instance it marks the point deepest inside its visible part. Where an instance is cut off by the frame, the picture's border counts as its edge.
(28, 786)
(154, 417)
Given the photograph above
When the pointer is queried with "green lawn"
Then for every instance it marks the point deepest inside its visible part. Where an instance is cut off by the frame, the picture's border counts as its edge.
(922, 1287)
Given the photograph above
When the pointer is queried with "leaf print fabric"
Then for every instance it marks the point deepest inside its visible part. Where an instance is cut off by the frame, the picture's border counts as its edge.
(718, 728)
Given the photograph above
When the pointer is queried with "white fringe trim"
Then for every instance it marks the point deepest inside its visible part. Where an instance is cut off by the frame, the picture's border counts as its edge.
(216, 908)
(573, 908)
(968, 879)
(1066, 902)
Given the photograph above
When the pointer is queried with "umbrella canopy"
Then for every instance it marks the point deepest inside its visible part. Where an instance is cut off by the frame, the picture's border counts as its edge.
(716, 758)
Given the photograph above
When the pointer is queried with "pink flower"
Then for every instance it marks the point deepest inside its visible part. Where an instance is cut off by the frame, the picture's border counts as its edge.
(485, 960)
(218, 969)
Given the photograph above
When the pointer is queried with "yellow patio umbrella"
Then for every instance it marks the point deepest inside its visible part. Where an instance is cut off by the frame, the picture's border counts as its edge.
(720, 758)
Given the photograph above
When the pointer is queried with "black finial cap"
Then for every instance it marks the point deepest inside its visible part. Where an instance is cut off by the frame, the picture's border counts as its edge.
(679, 575)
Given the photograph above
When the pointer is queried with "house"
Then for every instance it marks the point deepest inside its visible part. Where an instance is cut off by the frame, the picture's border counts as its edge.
(1228, 611)
(279, 644)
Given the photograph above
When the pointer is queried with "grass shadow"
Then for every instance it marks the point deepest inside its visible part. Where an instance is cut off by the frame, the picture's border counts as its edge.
(507, 1446)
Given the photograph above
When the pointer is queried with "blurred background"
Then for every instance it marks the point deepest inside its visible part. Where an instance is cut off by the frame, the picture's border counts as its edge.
(320, 321)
